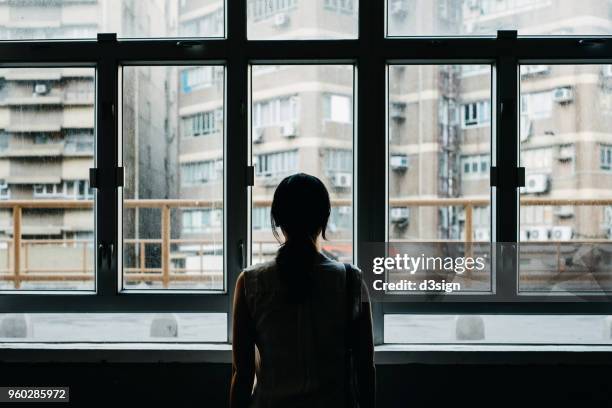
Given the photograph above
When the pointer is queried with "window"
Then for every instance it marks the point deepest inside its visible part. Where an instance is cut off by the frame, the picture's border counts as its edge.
(293, 19)
(475, 167)
(476, 114)
(438, 168)
(291, 133)
(274, 165)
(275, 112)
(196, 78)
(203, 123)
(128, 18)
(173, 238)
(49, 247)
(605, 157)
(337, 108)
(537, 105)
(198, 173)
(566, 170)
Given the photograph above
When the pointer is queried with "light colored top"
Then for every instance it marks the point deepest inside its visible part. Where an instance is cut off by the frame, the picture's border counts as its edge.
(301, 355)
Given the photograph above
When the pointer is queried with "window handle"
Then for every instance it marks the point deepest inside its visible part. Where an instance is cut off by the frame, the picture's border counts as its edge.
(241, 254)
(105, 255)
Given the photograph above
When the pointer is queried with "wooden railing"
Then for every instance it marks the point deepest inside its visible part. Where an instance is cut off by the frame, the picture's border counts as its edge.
(82, 269)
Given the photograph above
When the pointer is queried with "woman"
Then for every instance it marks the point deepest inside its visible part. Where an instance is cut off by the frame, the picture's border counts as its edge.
(290, 316)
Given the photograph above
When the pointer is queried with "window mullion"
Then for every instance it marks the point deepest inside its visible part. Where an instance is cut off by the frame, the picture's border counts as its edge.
(236, 150)
(108, 249)
(505, 211)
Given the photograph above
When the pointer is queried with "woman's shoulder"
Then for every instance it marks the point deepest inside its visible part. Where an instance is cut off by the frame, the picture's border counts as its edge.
(257, 270)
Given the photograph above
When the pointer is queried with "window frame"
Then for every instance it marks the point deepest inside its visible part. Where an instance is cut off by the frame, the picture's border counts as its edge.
(371, 54)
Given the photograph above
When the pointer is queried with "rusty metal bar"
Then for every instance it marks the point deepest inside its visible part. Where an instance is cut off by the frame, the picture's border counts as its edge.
(165, 255)
(17, 245)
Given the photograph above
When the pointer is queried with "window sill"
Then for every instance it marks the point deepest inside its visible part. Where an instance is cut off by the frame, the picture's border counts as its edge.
(221, 353)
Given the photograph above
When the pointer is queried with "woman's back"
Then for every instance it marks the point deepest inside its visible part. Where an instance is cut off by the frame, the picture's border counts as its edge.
(301, 343)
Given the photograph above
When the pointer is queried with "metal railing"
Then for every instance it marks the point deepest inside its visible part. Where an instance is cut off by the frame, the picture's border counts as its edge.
(35, 264)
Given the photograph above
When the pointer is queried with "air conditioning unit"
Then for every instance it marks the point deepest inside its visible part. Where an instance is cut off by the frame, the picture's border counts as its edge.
(526, 128)
(482, 234)
(342, 180)
(523, 235)
(564, 211)
(563, 95)
(268, 180)
(258, 135)
(398, 8)
(289, 130)
(41, 89)
(607, 71)
(561, 233)
(398, 111)
(537, 234)
(281, 19)
(399, 162)
(536, 183)
(566, 153)
(399, 214)
(534, 70)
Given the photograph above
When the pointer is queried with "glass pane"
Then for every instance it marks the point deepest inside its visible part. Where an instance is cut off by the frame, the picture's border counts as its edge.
(52, 19)
(485, 17)
(302, 121)
(566, 149)
(46, 150)
(497, 329)
(113, 328)
(173, 157)
(302, 20)
(439, 157)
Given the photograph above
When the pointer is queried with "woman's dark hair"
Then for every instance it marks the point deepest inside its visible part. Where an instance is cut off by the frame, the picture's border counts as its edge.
(301, 209)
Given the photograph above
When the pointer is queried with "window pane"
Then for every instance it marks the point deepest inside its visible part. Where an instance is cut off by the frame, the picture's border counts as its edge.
(302, 20)
(566, 117)
(439, 157)
(46, 150)
(485, 17)
(50, 19)
(497, 329)
(312, 134)
(173, 158)
(113, 328)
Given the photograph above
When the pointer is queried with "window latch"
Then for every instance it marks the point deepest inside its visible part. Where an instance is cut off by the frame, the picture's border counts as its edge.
(105, 255)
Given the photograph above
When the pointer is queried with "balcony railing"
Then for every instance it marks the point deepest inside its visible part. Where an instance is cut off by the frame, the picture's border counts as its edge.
(78, 254)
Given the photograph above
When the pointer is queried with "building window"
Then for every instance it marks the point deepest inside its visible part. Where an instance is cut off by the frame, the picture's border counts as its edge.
(537, 105)
(79, 141)
(605, 157)
(210, 25)
(275, 112)
(5, 191)
(475, 167)
(342, 6)
(198, 173)
(276, 164)
(540, 159)
(262, 9)
(196, 78)
(203, 123)
(339, 160)
(49, 190)
(202, 221)
(261, 218)
(341, 219)
(476, 114)
(338, 108)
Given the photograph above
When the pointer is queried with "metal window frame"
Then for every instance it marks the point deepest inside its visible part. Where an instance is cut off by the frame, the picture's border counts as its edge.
(371, 53)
